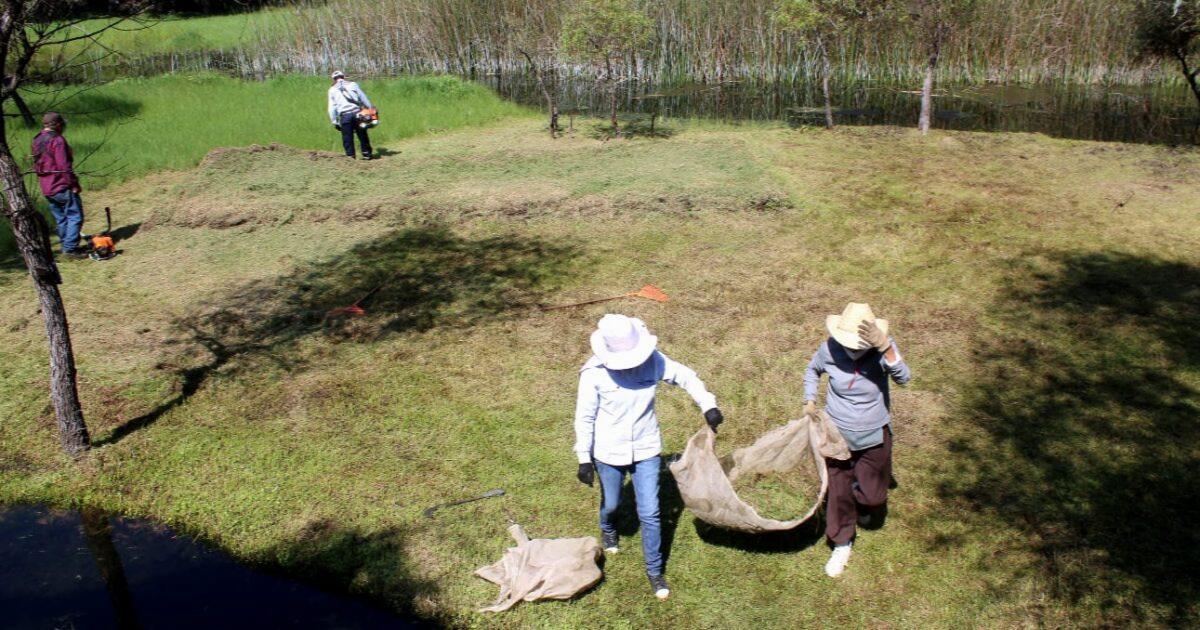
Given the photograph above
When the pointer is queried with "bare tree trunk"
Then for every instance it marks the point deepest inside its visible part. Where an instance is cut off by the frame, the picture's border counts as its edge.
(927, 90)
(612, 91)
(10, 83)
(551, 104)
(33, 239)
(825, 72)
(1189, 74)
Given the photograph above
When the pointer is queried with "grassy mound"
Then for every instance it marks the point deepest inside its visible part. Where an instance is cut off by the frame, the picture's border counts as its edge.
(1044, 293)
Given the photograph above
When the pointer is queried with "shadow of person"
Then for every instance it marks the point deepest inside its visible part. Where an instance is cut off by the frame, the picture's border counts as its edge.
(802, 537)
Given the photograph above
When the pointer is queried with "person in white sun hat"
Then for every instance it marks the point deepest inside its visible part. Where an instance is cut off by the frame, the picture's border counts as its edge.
(859, 357)
(616, 430)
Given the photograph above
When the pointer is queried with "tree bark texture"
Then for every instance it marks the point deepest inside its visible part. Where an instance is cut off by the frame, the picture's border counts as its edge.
(612, 90)
(825, 72)
(551, 104)
(927, 90)
(33, 240)
(1189, 74)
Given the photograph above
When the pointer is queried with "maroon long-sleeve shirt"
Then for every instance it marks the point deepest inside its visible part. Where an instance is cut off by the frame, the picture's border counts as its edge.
(54, 163)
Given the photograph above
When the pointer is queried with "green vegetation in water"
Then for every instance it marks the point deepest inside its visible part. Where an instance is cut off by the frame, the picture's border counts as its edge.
(1007, 40)
(131, 127)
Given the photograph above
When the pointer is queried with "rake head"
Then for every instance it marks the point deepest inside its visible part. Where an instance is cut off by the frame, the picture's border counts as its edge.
(353, 310)
(650, 292)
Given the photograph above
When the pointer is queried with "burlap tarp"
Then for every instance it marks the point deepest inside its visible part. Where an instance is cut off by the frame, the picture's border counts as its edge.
(706, 481)
(545, 568)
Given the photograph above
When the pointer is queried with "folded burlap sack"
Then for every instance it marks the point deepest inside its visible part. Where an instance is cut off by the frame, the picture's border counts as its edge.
(545, 568)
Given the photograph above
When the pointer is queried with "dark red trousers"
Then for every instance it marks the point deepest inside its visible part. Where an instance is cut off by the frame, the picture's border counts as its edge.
(872, 469)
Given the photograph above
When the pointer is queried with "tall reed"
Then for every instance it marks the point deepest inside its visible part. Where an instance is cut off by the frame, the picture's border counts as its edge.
(1023, 41)
(711, 40)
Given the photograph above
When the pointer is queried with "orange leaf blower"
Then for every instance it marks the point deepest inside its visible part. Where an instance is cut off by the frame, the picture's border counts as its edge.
(103, 246)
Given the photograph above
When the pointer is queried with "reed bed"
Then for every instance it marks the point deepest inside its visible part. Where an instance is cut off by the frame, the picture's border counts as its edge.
(1009, 41)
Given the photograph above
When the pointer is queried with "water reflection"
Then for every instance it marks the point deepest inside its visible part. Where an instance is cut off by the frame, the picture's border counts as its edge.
(98, 532)
(66, 569)
(1164, 114)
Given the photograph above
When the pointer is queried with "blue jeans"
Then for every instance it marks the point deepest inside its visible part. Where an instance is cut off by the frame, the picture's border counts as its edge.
(645, 489)
(67, 209)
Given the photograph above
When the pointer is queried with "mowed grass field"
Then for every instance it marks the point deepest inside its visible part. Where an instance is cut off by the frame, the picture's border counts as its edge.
(131, 127)
(1044, 292)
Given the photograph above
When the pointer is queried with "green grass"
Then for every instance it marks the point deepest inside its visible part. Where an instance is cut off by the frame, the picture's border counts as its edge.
(172, 34)
(131, 127)
(1050, 418)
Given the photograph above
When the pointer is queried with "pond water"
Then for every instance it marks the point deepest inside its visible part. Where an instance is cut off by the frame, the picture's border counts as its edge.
(1158, 114)
(71, 569)
(1161, 114)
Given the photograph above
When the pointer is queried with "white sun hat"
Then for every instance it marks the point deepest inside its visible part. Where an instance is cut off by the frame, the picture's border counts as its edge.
(622, 342)
(337, 74)
(844, 328)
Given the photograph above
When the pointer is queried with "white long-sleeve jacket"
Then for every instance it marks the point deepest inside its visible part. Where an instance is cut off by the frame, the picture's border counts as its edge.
(340, 95)
(615, 421)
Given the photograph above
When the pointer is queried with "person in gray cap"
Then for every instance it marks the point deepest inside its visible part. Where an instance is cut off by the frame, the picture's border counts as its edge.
(346, 99)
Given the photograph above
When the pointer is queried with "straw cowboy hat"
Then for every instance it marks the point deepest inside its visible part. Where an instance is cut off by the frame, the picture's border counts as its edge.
(621, 342)
(844, 328)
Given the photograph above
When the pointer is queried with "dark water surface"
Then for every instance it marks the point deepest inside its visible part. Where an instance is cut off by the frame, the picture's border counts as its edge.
(67, 569)
(1164, 113)
(1156, 114)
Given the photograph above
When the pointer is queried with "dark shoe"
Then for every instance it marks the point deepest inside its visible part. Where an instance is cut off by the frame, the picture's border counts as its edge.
(75, 254)
(872, 518)
(367, 156)
(658, 584)
(609, 542)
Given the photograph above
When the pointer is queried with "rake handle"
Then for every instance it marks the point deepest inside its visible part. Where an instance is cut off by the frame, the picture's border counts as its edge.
(596, 301)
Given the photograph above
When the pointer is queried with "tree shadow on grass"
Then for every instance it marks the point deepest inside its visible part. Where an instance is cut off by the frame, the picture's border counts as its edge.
(1083, 431)
(410, 280)
(345, 560)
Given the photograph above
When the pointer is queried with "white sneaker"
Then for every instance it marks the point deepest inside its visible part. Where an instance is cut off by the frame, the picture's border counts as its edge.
(838, 559)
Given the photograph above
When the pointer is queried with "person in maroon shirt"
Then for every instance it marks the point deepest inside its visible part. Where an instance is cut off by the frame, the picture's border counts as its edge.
(54, 164)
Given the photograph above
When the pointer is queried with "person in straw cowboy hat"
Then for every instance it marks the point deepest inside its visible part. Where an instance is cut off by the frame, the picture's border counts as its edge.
(859, 357)
(616, 430)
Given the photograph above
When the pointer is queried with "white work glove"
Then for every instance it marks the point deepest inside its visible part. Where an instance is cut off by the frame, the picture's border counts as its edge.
(873, 336)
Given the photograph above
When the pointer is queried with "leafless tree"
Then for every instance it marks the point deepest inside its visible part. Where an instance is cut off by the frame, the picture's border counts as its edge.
(29, 29)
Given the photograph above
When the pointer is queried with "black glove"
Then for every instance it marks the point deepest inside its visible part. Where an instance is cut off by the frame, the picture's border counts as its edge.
(713, 417)
(587, 474)
(337, 126)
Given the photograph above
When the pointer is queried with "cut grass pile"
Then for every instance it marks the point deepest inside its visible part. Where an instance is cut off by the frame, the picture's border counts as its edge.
(781, 496)
(1040, 449)
(131, 127)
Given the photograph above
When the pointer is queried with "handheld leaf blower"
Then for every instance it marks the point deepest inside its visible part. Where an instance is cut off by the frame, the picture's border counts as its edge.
(103, 245)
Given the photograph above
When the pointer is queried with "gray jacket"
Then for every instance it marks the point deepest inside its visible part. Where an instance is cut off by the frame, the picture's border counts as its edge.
(857, 398)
